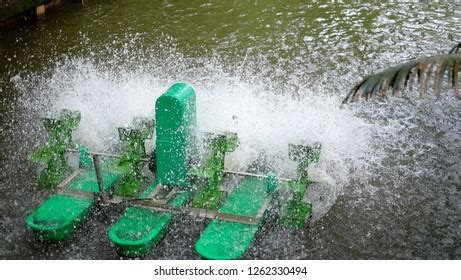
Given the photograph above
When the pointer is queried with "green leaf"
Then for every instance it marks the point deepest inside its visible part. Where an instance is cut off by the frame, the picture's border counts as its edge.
(397, 77)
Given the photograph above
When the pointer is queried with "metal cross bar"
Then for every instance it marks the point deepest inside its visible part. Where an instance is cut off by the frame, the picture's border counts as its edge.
(238, 218)
(155, 192)
(254, 175)
(69, 179)
(264, 208)
(63, 189)
(73, 192)
(101, 154)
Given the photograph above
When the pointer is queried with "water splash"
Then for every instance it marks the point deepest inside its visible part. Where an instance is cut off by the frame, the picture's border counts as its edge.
(266, 121)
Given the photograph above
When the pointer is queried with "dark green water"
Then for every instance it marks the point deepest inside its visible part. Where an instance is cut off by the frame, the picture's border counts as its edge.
(275, 72)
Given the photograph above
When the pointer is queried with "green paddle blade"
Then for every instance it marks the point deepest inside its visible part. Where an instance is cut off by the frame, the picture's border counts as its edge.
(44, 155)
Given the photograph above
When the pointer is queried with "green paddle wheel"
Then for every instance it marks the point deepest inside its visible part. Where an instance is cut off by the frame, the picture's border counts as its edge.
(53, 154)
(130, 163)
(211, 173)
(296, 211)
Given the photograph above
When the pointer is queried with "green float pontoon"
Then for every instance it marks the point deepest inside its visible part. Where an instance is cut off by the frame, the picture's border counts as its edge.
(59, 216)
(223, 240)
(140, 228)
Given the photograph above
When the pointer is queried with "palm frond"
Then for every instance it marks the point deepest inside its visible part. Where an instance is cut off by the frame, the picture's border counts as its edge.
(396, 78)
(455, 49)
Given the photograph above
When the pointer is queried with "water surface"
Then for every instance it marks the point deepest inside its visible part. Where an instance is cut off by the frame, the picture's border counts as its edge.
(273, 71)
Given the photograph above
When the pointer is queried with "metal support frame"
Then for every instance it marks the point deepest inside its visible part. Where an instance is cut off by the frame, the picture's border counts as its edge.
(293, 213)
(101, 195)
(196, 212)
(162, 204)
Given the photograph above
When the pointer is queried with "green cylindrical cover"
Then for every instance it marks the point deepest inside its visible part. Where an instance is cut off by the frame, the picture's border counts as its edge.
(175, 134)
